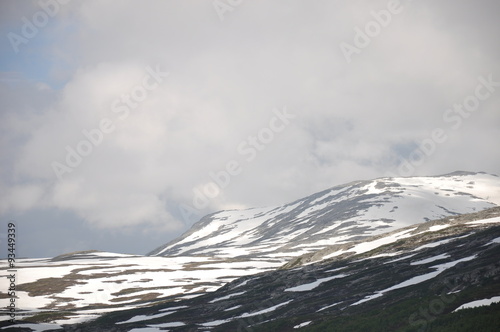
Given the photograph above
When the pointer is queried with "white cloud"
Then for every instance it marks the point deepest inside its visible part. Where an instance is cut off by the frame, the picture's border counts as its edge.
(225, 79)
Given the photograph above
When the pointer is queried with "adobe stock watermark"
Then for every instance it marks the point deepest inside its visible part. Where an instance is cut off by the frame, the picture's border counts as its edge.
(39, 20)
(121, 107)
(363, 37)
(428, 313)
(222, 7)
(249, 148)
(454, 118)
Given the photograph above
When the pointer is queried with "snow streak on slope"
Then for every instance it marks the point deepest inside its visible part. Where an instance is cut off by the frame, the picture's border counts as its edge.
(312, 285)
(479, 303)
(418, 279)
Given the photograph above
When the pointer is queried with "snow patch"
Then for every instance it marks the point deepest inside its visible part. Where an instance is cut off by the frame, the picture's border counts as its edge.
(38, 327)
(141, 318)
(233, 308)
(302, 325)
(226, 297)
(264, 311)
(485, 221)
(172, 324)
(436, 228)
(479, 303)
(312, 285)
(215, 323)
(496, 240)
(430, 259)
(329, 306)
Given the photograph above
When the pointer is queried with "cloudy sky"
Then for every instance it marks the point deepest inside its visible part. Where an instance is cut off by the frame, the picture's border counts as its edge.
(124, 122)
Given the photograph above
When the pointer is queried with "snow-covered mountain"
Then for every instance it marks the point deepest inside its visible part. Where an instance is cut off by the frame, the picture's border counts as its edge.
(338, 215)
(421, 282)
(227, 245)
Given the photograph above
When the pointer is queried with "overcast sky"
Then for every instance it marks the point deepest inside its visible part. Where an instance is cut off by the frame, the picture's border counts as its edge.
(124, 122)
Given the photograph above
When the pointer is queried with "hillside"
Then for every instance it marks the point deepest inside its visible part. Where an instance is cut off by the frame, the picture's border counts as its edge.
(231, 247)
(338, 215)
(419, 282)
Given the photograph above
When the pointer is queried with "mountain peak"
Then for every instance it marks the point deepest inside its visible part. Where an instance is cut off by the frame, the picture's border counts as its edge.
(342, 213)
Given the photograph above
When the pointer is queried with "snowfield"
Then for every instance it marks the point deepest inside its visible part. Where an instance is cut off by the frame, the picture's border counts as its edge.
(116, 282)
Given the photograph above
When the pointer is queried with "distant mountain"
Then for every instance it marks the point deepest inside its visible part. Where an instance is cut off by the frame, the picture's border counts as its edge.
(230, 248)
(338, 215)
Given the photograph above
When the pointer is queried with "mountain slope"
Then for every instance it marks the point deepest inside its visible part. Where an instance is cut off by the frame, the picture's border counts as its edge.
(409, 285)
(338, 215)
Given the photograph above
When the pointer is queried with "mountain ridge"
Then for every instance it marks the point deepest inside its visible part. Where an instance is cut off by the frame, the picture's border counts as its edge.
(229, 249)
(339, 203)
